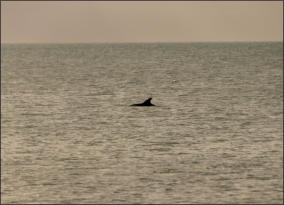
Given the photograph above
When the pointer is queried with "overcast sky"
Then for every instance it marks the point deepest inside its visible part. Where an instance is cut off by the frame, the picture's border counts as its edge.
(51, 22)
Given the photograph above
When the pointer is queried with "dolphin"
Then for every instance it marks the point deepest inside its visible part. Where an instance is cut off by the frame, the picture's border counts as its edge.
(145, 103)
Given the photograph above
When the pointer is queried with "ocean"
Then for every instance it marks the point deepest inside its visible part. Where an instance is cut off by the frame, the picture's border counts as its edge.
(69, 134)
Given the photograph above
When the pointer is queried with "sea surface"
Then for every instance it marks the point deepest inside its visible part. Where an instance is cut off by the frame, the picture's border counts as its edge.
(69, 134)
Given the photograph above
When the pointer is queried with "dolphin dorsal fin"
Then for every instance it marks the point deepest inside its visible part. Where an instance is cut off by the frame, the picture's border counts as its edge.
(148, 101)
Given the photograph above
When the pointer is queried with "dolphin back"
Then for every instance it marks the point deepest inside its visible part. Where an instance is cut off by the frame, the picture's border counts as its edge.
(145, 103)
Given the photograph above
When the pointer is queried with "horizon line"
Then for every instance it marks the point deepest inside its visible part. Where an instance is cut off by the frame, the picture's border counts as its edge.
(118, 42)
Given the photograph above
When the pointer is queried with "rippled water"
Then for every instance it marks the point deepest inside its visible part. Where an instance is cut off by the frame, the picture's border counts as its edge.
(70, 136)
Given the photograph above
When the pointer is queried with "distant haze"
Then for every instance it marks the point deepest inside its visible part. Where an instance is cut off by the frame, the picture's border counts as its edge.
(52, 22)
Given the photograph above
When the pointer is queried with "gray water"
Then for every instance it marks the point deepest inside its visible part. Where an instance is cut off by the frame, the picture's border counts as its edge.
(70, 136)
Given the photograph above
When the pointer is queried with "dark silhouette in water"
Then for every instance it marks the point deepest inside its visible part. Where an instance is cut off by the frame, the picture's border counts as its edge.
(145, 103)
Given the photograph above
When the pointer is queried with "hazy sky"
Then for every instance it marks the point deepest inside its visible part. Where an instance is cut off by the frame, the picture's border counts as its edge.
(31, 22)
